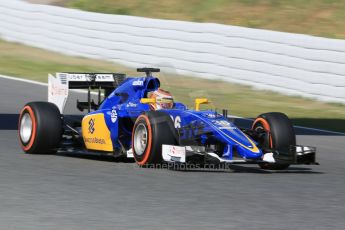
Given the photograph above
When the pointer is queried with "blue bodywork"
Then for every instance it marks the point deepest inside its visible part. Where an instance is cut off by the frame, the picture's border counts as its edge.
(206, 128)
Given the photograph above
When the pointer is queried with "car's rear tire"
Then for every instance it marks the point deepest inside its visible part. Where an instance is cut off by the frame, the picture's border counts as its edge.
(151, 130)
(279, 132)
(40, 128)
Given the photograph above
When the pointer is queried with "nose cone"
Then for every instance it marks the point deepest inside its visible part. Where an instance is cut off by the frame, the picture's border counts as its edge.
(234, 136)
(226, 132)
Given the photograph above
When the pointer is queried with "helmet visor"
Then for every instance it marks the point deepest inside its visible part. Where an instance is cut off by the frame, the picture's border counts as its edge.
(165, 102)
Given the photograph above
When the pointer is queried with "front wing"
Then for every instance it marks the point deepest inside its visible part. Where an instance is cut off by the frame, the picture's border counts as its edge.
(197, 154)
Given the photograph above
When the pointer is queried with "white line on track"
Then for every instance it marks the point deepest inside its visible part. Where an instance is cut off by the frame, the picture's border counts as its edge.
(41, 83)
(24, 80)
(84, 91)
(296, 126)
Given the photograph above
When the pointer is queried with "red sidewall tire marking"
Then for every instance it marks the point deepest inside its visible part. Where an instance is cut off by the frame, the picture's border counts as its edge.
(266, 126)
(34, 127)
(148, 148)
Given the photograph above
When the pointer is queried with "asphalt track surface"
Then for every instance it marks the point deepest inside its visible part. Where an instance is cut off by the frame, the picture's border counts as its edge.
(69, 191)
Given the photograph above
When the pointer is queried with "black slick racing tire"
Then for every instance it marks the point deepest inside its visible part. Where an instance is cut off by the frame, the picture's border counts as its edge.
(40, 128)
(280, 133)
(151, 130)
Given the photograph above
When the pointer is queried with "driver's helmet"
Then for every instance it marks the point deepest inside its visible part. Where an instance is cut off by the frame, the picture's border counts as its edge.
(164, 100)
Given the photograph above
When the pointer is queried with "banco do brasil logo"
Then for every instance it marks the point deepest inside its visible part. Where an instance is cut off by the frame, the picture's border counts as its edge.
(91, 126)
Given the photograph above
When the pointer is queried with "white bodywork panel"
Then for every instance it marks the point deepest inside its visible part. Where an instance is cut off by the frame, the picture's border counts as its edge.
(268, 157)
(302, 149)
(57, 91)
(130, 153)
(174, 153)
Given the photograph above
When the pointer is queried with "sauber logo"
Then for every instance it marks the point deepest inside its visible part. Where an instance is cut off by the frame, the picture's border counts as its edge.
(91, 77)
(91, 126)
(113, 115)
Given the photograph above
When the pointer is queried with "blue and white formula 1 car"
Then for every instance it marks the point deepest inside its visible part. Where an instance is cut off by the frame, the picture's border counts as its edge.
(126, 123)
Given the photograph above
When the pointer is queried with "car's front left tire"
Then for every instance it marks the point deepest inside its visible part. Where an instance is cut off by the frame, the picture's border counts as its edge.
(40, 128)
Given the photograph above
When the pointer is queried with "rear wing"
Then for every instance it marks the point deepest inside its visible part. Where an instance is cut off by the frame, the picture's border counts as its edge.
(58, 87)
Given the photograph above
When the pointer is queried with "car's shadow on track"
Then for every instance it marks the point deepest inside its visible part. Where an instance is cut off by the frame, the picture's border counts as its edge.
(192, 168)
(246, 169)
(96, 157)
(291, 169)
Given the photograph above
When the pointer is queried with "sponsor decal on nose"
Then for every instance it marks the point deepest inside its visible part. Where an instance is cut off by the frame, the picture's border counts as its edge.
(91, 126)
